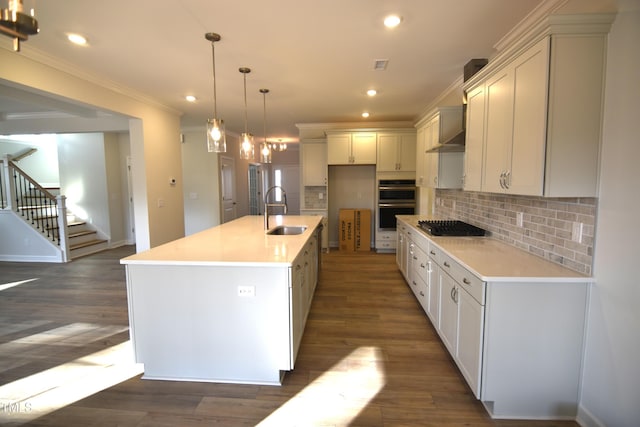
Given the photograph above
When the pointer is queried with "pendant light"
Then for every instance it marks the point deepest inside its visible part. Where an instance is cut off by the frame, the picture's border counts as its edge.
(16, 24)
(216, 136)
(265, 148)
(246, 139)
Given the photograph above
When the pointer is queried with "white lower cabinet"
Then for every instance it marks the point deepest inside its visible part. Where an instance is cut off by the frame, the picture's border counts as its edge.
(448, 314)
(470, 330)
(517, 341)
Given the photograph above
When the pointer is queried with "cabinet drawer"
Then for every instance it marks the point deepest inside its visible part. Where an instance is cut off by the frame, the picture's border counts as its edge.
(435, 254)
(463, 277)
(385, 244)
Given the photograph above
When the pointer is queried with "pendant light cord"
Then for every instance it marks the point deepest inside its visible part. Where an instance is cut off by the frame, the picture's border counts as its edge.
(213, 56)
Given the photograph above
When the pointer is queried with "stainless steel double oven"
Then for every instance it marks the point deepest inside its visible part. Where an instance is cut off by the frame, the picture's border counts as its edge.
(395, 197)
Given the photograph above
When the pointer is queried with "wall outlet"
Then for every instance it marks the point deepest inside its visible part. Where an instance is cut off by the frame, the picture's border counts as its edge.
(576, 232)
(520, 219)
(320, 196)
(246, 291)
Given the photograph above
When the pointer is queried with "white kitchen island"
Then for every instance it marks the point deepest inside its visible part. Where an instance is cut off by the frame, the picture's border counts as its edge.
(227, 304)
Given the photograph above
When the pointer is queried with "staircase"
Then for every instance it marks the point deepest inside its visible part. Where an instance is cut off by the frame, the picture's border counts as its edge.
(43, 208)
(83, 239)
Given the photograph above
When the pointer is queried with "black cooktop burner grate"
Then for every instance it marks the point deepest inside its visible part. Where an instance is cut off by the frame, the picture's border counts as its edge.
(450, 228)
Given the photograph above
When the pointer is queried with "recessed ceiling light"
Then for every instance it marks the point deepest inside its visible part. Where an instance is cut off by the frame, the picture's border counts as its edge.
(190, 98)
(392, 21)
(372, 92)
(77, 39)
(365, 114)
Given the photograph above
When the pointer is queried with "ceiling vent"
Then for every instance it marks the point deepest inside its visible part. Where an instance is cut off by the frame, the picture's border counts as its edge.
(380, 64)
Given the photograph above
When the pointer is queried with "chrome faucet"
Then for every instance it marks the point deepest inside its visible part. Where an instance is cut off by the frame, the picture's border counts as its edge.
(267, 205)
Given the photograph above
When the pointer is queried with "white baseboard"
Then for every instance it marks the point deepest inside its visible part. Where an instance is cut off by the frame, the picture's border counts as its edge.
(586, 419)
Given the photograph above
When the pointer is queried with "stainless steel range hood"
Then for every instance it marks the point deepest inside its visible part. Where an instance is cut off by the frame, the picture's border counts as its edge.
(455, 144)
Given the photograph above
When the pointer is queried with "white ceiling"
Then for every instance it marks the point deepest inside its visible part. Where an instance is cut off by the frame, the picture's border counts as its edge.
(315, 56)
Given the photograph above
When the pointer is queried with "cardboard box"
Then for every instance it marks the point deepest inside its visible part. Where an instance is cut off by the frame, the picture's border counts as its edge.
(345, 230)
(363, 230)
(354, 229)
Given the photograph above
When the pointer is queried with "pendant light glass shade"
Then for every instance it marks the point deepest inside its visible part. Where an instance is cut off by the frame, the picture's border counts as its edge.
(216, 135)
(246, 139)
(265, 148)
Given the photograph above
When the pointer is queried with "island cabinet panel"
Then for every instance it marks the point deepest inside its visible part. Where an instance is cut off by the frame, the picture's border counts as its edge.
(512, 322)
(190, 323)
(228, 304)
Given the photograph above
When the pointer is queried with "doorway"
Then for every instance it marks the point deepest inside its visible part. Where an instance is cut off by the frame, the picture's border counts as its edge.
(258, 184)
(228, 188)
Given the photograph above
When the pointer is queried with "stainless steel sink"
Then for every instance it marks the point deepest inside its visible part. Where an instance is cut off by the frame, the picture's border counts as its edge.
(287, 230)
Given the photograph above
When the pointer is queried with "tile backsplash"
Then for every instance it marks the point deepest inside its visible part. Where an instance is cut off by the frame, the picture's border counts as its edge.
(548, 224)
(312, 198)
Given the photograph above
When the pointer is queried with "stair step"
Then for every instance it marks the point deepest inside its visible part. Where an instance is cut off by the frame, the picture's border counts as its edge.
(81, 233)
(88, 243)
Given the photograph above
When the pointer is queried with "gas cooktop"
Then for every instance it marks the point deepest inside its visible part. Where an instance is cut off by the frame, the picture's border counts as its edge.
(450, 228)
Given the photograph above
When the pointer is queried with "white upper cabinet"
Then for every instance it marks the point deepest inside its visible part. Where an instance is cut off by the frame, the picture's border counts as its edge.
(515, 124)
(351, 148)
(534, 114)
(314, 163)
(474, 144)
(396, 152)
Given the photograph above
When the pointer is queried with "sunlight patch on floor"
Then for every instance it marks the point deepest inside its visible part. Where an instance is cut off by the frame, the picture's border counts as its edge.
(337, 396)
(11, 285)
(37, 395)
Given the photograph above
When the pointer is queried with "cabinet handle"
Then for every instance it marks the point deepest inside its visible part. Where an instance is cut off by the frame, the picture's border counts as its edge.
(422, 265)
(455, 295)
(414, 283)
(432, 253)
(415, 258)
(507, 179)
(446, 264)
(466, 281)
(421, 293)
(451, 294)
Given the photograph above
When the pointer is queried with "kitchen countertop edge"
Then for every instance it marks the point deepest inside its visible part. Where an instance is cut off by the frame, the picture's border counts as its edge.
(484, 263)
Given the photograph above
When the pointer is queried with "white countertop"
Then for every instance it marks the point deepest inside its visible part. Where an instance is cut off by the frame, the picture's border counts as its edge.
(495, 261)
(241, 242)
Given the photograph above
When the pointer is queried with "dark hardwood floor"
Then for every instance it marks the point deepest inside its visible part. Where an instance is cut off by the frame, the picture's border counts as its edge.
(369, 357)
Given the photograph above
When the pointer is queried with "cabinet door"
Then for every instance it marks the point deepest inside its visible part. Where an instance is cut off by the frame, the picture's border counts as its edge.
(470, 333)
(433, 285)
(448, 313)
(388, 148)
(407, 154)
(314, 164)
(432, 158)
(474, 139)
(296, 310)
(529, 121)
(499, 125)
(339, 149)
(421, 169)
(363, 148)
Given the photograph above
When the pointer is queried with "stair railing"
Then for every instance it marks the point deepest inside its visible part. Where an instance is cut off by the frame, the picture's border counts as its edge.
(3, 187)
(45, 212)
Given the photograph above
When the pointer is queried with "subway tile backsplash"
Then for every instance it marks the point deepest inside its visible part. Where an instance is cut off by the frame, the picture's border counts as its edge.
(548, 224)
